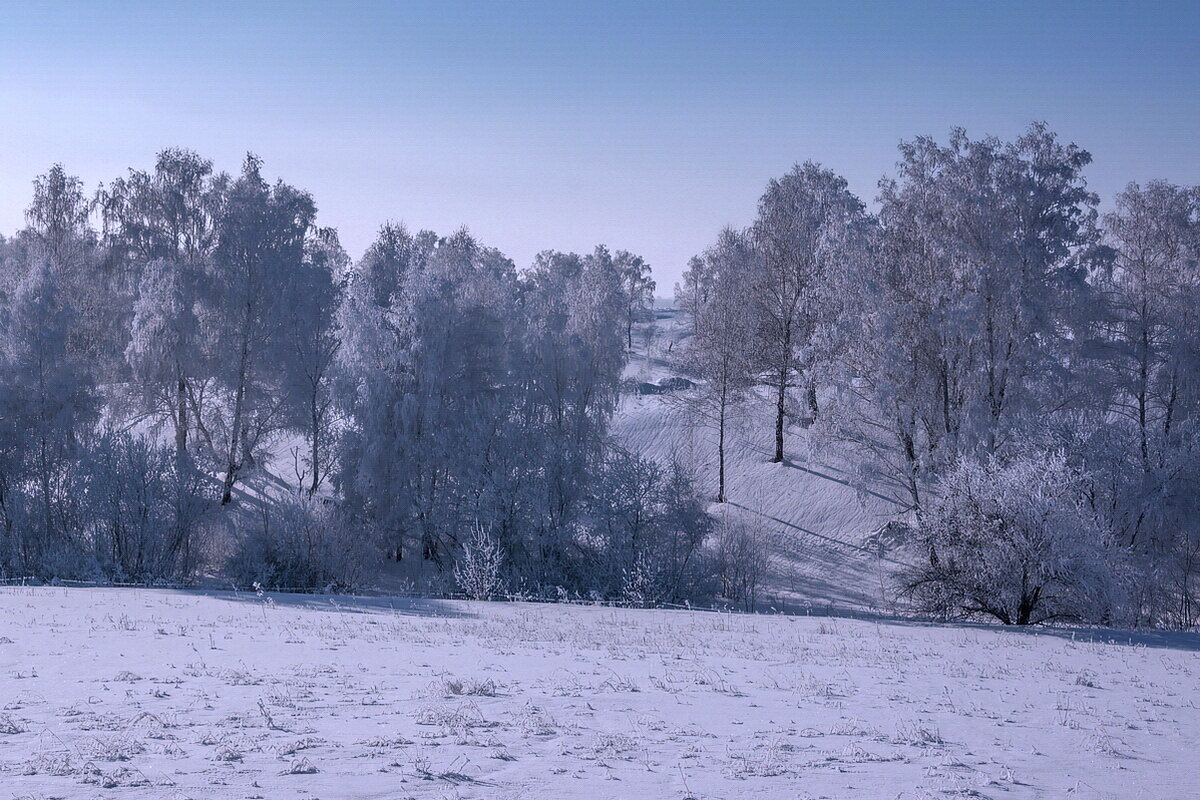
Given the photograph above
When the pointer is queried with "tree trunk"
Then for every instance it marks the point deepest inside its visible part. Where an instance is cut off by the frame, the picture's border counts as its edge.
(44, 479)
(315, 421)
(235, 427)
(779, 412)
(1142, 399)
(181, 419)
(721, 454)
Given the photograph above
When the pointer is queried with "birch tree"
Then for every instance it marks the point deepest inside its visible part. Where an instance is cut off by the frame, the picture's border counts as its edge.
(638, 288)
(159, 227)
(1153, 291)
(798, 215)
(309, 347)
(47, 404)
(261, 233)
(969, 309)
(62, 239)
(721, 350)
(1140, 439)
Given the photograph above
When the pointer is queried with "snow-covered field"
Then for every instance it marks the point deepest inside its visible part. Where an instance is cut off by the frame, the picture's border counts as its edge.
(133, 693)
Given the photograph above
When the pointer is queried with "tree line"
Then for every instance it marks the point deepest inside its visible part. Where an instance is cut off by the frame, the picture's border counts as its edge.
(1018, 368)
(1015, 367)
(161, 338)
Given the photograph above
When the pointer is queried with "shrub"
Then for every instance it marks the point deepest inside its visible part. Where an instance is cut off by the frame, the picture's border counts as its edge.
(478, 570)
(123, 509)
(646, 526)
(304, 544)
(1011, 541)
(740, 561)
(642, 585)
(145, 507)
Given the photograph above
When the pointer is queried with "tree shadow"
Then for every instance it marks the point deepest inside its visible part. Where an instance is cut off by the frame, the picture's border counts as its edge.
(1183, 641)
(1165, 640)
(347, 604)
(827, 540)
(1186, 641)
(787, 462)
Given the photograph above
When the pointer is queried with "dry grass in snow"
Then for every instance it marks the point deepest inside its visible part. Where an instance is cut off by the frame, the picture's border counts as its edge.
(111, 693)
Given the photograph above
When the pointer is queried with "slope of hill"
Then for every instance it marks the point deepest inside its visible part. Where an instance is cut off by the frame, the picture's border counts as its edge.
(815, 521)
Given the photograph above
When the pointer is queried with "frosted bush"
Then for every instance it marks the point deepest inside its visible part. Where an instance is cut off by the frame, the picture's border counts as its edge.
(740, 562)
(1013, 542)
(477, 572)
(641, 585)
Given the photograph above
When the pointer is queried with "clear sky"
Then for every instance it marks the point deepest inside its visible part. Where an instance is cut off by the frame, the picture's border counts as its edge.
(643, 125)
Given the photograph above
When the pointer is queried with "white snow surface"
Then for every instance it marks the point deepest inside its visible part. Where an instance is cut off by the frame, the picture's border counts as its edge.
(814, 517)
(140, 693)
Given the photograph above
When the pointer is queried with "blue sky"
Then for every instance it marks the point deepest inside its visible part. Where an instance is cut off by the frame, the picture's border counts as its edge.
(643, 125)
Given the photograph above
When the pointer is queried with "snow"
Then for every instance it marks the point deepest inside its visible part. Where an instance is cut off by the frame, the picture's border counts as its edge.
(815, 519)
(137, 693)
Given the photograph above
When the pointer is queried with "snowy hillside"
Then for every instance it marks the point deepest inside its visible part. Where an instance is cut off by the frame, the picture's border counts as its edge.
(814, 519)
(146, 694)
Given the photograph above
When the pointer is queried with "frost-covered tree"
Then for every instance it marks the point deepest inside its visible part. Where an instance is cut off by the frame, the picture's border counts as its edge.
(968, 305)
(638, 288)
(1155, 326)
(1140, 437)
(383, 269)
(261, 234)
(47, 404)
(431, 374)
(575, 351)
(479, 399)
(159, 234)
(722, 350)
(164, 214)
(60, 238)
(58, 218)
(165, 350)
(801, 219)
(309, 347)
(374, 333)
(1012, 541)
(455, 385)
